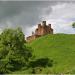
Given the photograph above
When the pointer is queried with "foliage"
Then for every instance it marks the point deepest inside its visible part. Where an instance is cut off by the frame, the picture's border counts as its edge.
(42, 62)
(13, 53)
(73, 25)
(38, 64)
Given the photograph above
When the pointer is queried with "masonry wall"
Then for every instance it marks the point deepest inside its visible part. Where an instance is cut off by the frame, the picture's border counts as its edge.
(43, 30)
(40, 31)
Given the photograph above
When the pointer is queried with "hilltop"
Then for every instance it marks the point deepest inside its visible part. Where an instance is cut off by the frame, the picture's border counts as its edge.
(60, 48)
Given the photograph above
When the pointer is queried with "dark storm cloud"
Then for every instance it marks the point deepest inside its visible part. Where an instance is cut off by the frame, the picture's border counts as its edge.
(9, 9)
(22, 13)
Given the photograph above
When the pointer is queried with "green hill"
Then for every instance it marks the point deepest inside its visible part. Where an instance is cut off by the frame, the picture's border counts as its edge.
(58, 47)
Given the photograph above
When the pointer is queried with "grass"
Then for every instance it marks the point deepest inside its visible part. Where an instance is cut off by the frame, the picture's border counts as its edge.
(58, 47)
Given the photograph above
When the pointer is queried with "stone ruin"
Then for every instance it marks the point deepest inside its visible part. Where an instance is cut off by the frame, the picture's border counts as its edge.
(40, 31)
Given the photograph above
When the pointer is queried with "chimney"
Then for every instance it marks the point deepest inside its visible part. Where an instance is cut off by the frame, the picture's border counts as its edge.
(43, 22)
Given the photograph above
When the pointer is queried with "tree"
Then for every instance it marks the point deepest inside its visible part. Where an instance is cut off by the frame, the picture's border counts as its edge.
(13, 53)
(73, 25)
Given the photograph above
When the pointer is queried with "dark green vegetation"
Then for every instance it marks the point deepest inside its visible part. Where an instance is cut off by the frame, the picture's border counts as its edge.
(73, 24)
(58, 47)
(14, 55)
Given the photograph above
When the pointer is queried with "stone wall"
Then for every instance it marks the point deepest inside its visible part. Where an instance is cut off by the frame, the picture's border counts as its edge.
(43, 29)
(40, 31)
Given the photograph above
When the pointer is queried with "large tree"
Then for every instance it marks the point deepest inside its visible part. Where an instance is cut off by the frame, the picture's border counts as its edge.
(13, 53)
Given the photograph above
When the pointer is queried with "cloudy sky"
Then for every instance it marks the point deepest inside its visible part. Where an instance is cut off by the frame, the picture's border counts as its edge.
(27, 14)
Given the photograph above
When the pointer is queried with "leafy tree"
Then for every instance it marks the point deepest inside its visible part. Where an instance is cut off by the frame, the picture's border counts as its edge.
(73, 25)
(13, 53)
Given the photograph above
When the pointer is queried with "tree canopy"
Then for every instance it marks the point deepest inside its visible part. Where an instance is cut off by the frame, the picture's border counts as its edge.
(13, 52)
(73, 25)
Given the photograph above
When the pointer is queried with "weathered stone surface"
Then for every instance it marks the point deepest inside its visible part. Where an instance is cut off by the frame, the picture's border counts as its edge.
(40, 31)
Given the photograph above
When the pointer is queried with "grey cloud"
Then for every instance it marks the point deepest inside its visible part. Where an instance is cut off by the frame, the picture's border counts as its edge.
(23, 13)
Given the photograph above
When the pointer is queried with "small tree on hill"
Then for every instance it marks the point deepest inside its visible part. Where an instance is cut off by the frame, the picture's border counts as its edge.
(73, 25)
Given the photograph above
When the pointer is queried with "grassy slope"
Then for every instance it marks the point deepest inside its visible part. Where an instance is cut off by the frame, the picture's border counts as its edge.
(60, 48)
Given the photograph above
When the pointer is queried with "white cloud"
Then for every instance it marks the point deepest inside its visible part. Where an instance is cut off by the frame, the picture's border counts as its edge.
(29, 30)
(61, 17)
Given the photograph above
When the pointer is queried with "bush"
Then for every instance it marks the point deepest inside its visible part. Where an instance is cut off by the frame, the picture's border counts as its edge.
(42, 62)
(38, 65)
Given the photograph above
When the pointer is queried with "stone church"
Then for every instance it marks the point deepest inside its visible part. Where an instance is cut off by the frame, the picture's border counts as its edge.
(42, 29)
